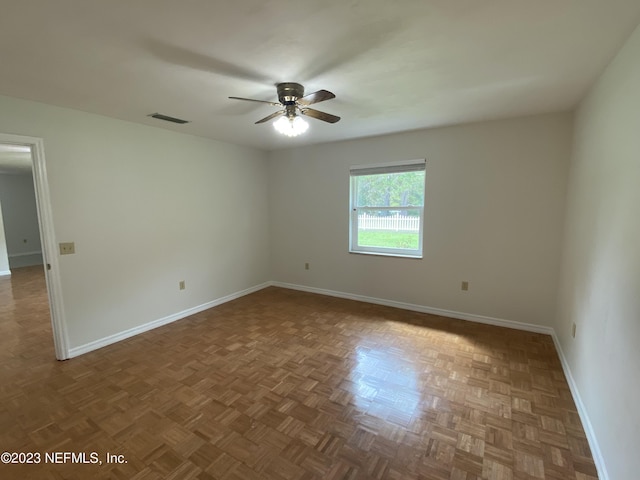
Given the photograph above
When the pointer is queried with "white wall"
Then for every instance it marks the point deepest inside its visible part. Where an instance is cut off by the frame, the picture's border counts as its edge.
(20, 220)
(146, 208)
(600, 286)
(493, 216)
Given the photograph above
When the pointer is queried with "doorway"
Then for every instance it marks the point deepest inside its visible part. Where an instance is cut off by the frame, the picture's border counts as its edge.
(33, 149)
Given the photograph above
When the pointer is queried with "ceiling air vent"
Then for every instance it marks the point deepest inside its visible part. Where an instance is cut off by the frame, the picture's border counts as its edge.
(167, 118)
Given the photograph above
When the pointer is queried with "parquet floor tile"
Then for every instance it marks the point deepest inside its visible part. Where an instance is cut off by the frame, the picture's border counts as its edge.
(284, 385)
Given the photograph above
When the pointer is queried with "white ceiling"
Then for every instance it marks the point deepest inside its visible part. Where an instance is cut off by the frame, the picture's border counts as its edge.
(394, 65)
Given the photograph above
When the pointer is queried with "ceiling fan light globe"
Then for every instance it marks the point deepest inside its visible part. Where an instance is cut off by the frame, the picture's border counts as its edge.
(291, 127)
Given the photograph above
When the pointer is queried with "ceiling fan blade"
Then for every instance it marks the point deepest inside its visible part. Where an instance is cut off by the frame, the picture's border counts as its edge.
(273, 115)
(316, 97)
(275, 104)
(325, 117)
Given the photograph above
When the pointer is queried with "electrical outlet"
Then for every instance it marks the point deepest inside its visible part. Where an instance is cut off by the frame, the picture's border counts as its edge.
(306, 266)
(68, 248)
(182, 285)
(464, 286)
(573, 330)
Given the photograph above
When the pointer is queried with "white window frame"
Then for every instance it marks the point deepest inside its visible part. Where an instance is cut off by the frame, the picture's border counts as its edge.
(381, 168)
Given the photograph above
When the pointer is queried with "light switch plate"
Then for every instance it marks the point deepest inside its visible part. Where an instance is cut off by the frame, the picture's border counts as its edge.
(67, 248)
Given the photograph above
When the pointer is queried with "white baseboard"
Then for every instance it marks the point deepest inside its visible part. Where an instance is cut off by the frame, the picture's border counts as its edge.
(25, 259)
(499, 322)
(24, 254)
(103, 342)
(5, 272)
(582, 411)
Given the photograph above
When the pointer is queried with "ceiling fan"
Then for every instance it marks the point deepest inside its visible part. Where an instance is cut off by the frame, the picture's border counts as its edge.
(293, 103)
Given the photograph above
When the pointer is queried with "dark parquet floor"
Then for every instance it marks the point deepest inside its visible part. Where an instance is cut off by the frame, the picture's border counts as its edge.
(286, 385)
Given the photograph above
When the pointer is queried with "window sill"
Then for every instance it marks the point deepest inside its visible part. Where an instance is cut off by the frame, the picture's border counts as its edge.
(384, 254)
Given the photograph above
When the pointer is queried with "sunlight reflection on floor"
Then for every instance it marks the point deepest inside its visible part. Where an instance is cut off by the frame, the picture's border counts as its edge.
(385, 384)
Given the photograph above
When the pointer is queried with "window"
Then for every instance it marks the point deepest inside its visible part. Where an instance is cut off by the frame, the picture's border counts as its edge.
(387, 207)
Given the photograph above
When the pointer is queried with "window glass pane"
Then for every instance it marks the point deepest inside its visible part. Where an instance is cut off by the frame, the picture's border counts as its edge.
(389, 228)
(386, 209)
(390, 189)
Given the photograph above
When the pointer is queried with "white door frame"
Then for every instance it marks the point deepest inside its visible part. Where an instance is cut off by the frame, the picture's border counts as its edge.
(47, 239)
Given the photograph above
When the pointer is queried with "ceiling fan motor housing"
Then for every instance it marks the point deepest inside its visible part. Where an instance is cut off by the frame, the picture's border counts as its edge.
(289, 93)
